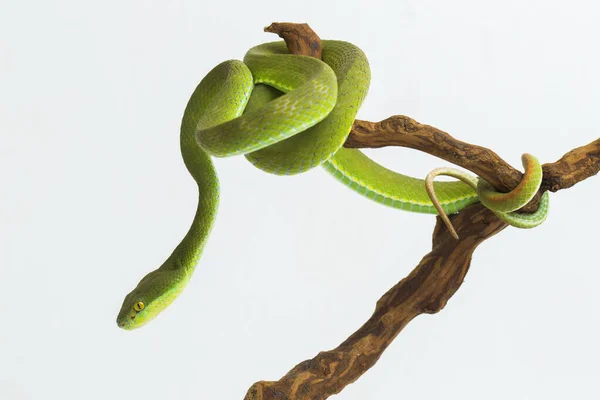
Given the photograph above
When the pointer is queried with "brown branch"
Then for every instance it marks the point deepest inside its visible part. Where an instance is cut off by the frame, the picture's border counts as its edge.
(299, 38)
(402, 131)
(575, 166)
(425, 290)
(399, 130)
(441, 272)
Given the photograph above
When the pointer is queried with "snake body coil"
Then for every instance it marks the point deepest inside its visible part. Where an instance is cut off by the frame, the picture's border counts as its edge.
(287, 114)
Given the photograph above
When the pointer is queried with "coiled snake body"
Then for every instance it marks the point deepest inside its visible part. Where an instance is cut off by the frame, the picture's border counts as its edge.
(287, 114)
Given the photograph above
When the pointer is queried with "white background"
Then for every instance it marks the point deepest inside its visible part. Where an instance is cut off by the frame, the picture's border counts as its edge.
(94, 195)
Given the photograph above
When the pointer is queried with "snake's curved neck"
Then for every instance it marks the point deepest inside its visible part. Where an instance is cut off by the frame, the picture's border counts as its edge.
(199, 164)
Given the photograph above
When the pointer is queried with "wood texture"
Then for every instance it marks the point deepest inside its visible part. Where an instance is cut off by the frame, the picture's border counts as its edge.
(399, 130)
(425, 290)
(299, 38)
(575, 166)
(440, 273)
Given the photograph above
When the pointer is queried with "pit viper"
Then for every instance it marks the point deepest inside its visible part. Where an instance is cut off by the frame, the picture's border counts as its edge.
(287, 114)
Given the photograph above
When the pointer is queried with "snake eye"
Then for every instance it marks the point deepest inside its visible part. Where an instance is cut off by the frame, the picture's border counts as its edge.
(139, 306)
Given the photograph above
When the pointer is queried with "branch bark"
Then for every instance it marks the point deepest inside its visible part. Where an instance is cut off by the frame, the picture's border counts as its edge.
(441, 272)
(399, 130)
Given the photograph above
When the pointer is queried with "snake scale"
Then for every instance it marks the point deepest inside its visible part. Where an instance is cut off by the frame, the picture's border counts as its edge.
(287, 114)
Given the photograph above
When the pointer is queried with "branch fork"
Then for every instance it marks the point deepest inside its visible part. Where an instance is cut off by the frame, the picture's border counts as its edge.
(440, 273)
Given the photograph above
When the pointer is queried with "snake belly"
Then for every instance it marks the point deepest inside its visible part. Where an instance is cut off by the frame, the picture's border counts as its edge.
(287, 114)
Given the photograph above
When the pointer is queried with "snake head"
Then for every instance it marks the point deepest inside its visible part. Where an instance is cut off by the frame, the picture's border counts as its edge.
(150, 297)
(134, 311)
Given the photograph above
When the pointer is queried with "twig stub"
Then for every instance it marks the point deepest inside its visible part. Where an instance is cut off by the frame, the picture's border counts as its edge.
(299, 38)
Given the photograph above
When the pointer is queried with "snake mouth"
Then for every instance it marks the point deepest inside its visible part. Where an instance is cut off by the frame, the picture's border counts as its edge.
(124, 323)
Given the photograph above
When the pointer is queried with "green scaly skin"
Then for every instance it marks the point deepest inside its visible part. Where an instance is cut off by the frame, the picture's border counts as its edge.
(501, 204)
(288, 114)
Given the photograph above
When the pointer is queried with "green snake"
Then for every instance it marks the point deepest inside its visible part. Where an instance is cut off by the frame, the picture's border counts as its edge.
(287, 114)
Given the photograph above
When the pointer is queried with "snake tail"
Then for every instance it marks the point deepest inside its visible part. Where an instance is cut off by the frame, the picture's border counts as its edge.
(501, 204)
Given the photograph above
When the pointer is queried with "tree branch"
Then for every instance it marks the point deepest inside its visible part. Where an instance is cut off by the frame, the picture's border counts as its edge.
(425, 290)
(399, 130)
(441, 272)
(575, 166)
(299, 38)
